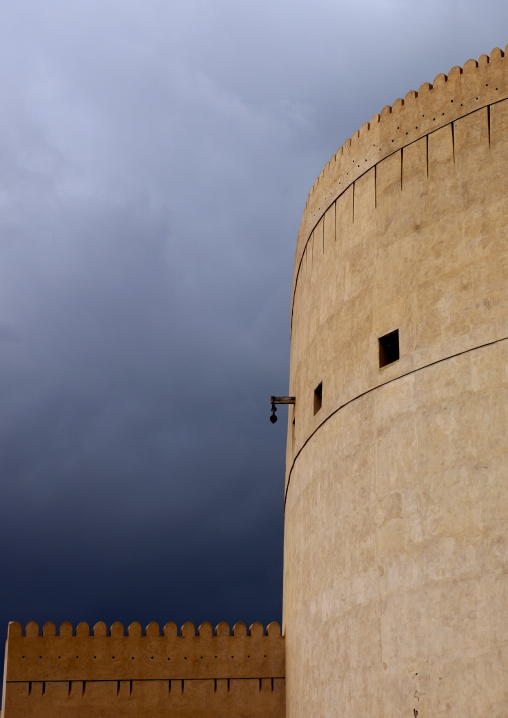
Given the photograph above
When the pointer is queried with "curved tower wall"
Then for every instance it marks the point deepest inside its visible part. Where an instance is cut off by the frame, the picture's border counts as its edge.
(396, 528)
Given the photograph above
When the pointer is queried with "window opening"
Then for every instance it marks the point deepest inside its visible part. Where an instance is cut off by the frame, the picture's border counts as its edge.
(388, 348)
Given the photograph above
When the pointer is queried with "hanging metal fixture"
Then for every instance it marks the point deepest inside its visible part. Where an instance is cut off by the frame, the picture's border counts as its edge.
(280, 400)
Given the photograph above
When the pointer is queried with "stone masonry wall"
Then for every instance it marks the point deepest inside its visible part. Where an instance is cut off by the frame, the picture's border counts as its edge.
(396, 511)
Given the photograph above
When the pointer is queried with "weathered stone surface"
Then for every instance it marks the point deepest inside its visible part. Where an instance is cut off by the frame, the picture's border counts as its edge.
(396, 533)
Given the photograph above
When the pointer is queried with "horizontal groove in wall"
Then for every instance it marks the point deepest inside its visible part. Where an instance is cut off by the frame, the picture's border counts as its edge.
(372, 389)
(146, 680)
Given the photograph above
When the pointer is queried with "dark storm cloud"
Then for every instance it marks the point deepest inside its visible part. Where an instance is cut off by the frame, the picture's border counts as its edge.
(154, 163)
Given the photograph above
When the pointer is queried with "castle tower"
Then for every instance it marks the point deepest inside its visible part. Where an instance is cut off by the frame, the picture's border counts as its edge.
(396, 506)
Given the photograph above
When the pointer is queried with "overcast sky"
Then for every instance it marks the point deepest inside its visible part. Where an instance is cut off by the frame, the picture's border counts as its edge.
(155, 159)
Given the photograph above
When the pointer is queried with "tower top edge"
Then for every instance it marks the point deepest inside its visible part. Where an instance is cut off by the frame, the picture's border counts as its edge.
(440, 82)
(450, 96)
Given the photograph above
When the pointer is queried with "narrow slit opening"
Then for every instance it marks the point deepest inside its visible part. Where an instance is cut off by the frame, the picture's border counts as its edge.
(318, 398)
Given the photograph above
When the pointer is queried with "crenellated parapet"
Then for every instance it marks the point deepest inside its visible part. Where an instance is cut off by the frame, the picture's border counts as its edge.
(240, 667)
(464, 90)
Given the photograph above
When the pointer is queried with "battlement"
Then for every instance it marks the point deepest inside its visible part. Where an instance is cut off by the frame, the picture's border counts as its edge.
(463, 90)
(137, 670)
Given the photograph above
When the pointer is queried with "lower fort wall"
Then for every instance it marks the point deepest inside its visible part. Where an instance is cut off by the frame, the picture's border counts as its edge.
(150, 673)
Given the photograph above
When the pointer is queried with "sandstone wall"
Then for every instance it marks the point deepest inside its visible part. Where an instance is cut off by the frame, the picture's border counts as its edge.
(396, 533)
(212, 674)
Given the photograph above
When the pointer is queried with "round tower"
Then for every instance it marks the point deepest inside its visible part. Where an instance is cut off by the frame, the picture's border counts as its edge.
(396, 499)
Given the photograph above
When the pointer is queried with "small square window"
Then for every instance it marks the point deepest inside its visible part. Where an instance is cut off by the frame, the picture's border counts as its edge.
(318, 398)
(389, 348)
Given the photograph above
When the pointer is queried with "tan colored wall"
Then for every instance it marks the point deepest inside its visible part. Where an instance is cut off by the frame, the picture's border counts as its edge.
(212, 674)
(396, 528)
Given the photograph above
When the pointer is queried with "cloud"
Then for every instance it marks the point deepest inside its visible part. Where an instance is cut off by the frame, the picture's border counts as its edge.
(155, 160)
